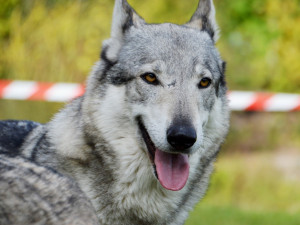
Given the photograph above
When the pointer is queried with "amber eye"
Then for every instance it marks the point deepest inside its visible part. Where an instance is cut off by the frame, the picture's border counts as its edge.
(150, 78)
(204, 83)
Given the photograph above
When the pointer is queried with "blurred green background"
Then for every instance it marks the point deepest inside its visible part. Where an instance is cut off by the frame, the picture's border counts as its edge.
(257, 177)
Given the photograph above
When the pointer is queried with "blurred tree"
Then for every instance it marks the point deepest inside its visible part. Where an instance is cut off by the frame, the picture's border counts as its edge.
(261, 43)
(283, 57)
(53, 40)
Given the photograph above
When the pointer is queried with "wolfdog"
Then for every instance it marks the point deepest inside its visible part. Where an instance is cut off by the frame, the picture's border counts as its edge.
(142, 140)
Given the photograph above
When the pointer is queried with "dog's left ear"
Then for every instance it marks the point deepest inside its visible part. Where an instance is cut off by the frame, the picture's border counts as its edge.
(204, 19)
(124, 17)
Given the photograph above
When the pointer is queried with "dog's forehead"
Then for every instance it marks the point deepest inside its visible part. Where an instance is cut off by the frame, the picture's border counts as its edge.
(169, 43)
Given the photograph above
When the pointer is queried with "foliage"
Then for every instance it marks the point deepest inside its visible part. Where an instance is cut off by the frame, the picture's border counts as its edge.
(261, 43)
(54, 44)
(54, 40)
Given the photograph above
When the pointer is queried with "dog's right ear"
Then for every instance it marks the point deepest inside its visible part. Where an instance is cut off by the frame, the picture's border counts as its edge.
(124, 18)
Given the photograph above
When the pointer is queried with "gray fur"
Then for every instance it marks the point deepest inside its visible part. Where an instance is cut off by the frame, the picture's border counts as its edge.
(32, 194)
(97, 139)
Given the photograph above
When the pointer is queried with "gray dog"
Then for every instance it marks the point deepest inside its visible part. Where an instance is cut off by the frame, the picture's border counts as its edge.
(142, 141)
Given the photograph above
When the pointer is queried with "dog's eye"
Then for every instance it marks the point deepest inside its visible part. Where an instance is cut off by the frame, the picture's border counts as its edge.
(204, 83)
(150, 78)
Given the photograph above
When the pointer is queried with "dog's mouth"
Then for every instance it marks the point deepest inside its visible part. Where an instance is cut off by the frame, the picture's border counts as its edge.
(172, 170)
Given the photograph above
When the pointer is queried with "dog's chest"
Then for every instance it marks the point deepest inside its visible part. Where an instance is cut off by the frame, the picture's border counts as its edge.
(134, 196)
(139, 194)
(142, 207)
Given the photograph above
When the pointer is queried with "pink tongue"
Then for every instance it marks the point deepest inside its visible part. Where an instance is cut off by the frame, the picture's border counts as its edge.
(172, 169)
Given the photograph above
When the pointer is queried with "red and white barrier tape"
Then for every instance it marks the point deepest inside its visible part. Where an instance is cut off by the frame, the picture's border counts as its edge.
(264, 102)
(30, 90)
(62, 92)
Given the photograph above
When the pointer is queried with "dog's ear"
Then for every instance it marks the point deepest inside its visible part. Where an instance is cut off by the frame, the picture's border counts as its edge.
(204, 19)
(124, 17)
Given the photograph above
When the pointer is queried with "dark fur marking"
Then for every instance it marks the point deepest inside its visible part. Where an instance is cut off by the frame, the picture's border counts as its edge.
(172, 84)
(130, 13)
(220, 83)
(129, 19)
(201, 15)
(216, 84)
(143, 60)
(13, 134)
(99, 161)
(91, 141)
(37, 147)
(108, 63)
(217, 87)
(120, 79)
(222, 80)
(128, 23)
(206, 26)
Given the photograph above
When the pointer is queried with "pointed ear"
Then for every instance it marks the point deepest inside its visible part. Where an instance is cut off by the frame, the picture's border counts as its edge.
(204, 19)
(124, 17)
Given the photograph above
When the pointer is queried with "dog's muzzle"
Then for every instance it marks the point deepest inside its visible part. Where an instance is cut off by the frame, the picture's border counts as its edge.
(171, 167)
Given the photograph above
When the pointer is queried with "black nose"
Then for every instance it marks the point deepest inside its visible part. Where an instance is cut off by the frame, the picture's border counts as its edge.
(181, 136)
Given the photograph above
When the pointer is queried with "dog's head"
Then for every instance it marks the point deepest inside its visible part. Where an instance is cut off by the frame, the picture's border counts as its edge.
(172, 82)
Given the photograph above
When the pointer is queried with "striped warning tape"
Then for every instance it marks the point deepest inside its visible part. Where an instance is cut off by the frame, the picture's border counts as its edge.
(264, 102)
(31, 90)
(62, 92)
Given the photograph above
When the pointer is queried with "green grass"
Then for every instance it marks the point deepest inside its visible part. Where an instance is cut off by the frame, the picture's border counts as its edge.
(228, 215)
